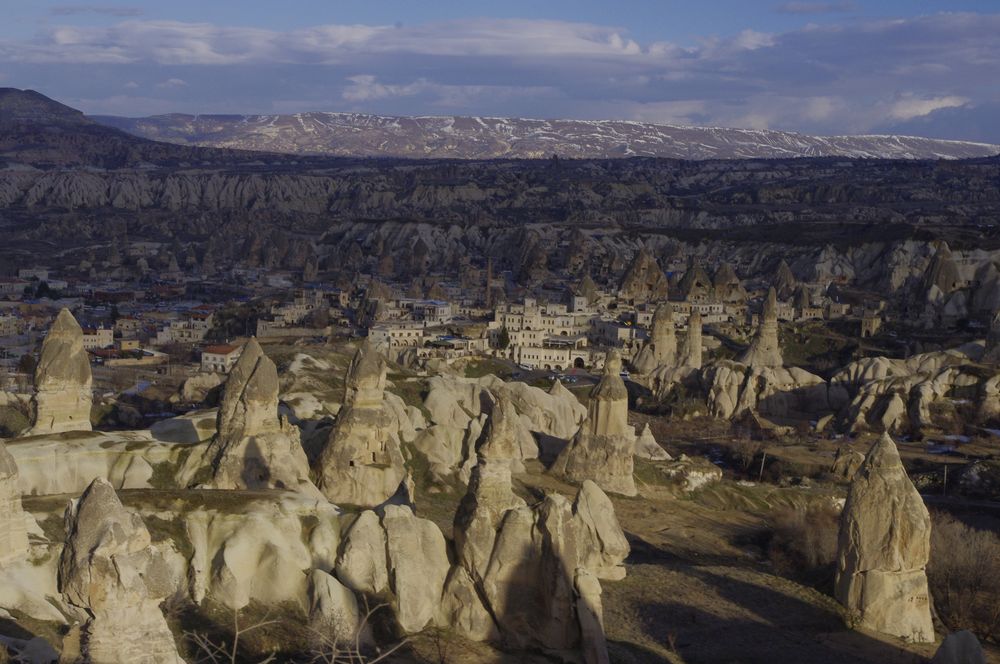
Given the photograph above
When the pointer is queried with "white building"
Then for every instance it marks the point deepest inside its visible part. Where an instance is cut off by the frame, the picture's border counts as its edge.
(220, 358)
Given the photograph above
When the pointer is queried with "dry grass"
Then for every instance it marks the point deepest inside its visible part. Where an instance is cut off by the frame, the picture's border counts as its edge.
(803, 545)
(964, 576)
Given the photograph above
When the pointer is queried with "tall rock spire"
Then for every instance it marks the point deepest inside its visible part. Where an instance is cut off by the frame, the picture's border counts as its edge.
(764, 350)
(63, 382)
(256, 448)
(883, 548)
(603, 449)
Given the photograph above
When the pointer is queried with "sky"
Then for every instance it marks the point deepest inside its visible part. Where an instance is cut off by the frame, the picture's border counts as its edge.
(922, 67)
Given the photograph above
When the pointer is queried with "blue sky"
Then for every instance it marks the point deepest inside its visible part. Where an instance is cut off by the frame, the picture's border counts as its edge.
(927, 68)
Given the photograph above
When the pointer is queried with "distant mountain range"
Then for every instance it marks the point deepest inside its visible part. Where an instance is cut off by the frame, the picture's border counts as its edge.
(361, 135)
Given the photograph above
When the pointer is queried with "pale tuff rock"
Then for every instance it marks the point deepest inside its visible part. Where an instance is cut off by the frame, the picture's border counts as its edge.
(764, 350)
(462, 608)
(784, 282)
(846, 463)
(661, 349)
(517, 577)
(255, 448)
(557, 413)
(960, 648)
(62, 380)
(362, 563)
(590, 613)
(362, 463)
(489, 496)
(418, 566)
(695, 285)
(727, 285)
(110, 568)
(883, 549)
(601, 543)
(646, 446)
(602, 450)
(13, 528)
(735, 389)
(644, 281)
(333, 609)
(262, 552)
(692, 473)
(691, 357)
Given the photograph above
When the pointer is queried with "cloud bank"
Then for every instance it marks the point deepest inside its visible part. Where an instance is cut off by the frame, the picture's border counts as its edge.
(853, 77)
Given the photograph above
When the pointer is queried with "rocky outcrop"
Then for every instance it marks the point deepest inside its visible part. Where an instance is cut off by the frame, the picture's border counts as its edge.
(13, 531)
(362, 463)
(691, 356)
(418, 566)
(991, 355)
(846, 463)
(362, 563)
(110, 569)
(661, 349)
(532, 583)
(489, 496)
(784, 281)
(646, 446)
(602, 450)
(764, 350)
(734, 389)
(644, 281)
(63, 383)
(727, 285)
(883, 548)
(255, 447)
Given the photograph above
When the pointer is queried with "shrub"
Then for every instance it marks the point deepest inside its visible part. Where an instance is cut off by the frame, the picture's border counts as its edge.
(964, 576)
(803, 544)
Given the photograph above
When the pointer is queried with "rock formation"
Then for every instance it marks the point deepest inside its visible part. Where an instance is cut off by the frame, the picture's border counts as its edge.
(110, 569)
(62, 380)
(489, 496)
(784, 281)
(691, 357)
(727, 285)
(13, 533)
(602, 450)
(764, 350)
(362, 463)
(255, 447)
(644, 281)
(883, 548)
(695, 285)
(661, 349)
(646, 446)
(418, 566)
(532, 581)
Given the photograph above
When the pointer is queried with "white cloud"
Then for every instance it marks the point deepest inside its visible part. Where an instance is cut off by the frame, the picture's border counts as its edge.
(910, 106)
(170, 83)
(855, 76)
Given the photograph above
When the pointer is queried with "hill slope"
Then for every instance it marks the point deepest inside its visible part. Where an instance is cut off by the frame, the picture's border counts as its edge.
(352, 134)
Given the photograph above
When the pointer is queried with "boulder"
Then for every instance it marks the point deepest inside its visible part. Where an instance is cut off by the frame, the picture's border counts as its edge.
(601, 545)
(362, 564)
(883, 548)
(418, 566)
(110, 569)
(333, 610)
(646, 446)
(63, 382)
